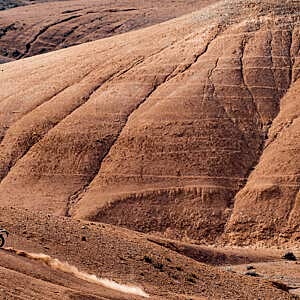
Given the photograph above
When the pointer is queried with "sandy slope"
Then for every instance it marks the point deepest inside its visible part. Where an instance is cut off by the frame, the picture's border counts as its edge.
(26, 279)
(117, 254)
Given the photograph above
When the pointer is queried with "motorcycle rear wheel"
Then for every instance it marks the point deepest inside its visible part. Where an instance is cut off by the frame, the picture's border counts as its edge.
(2, 241)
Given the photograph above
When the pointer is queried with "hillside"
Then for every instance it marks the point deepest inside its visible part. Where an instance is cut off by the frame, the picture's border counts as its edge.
(51, 25)
(194, 136)
(114, 253)
(273, 186)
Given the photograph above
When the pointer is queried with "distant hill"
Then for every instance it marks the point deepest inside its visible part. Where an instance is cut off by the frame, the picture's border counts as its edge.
(52, 25)
(6, 4)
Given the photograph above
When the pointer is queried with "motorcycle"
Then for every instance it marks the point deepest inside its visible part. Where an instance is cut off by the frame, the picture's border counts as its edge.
(2, 239)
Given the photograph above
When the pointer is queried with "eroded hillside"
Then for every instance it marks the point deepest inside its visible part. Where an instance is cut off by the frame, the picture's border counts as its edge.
(52, 25)
(192, 135)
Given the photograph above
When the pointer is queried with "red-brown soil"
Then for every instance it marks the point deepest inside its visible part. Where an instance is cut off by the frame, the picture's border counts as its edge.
(218, 255)
(282, 273)
(184, 131)
(52, 25)
(273, 186)
(194, 135)
(26, 279)
(117, 254)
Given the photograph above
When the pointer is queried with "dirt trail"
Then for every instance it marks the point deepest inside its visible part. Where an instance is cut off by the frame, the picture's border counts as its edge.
(56, 264)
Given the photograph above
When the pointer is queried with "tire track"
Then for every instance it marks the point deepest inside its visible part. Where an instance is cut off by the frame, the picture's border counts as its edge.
(56, 264)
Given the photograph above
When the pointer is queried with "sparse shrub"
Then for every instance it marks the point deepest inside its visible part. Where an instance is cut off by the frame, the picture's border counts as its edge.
(148, 259)
(174, 276)
(156, 265)
(252, 273)
(289, 256)
(191, 278)
(159, 266)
